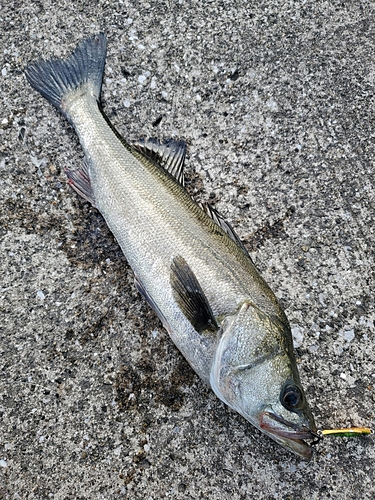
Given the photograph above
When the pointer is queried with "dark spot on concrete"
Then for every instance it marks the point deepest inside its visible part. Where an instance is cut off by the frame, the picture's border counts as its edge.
(194, 183)
(92, 243)
(268, 231)
(157, 121)
(69, 334)
(134, 385)
(19, 213)
(128, 387)
(172, 398)
(125, 72)
(94, 327)
(128, 477)
(181, 487)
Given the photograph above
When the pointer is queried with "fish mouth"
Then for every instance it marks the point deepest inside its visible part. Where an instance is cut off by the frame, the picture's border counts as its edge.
(289, 435)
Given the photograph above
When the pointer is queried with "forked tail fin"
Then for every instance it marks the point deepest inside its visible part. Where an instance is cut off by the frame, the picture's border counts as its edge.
(57, 77)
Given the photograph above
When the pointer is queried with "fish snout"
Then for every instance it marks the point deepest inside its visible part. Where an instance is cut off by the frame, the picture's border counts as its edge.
(289, 434)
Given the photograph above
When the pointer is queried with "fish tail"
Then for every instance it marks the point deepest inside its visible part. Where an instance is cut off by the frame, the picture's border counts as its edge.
(56, 78)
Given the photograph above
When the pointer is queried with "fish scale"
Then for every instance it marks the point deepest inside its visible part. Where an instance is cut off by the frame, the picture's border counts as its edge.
(138, 199)
(188, 263)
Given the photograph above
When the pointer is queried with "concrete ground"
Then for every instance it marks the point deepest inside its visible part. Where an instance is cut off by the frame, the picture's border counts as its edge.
(276, 102)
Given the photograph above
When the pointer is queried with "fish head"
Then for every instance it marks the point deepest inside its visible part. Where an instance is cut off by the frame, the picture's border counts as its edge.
(255, 373)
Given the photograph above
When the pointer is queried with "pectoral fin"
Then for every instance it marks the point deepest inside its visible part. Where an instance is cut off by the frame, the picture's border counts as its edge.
(190, 297)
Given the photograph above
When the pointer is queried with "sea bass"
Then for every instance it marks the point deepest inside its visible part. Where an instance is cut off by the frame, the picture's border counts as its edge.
(188, 263)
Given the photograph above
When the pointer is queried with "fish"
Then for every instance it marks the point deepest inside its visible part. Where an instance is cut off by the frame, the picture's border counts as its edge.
(188, 262)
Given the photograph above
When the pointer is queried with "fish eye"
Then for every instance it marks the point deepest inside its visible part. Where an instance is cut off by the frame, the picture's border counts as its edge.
(291, 397)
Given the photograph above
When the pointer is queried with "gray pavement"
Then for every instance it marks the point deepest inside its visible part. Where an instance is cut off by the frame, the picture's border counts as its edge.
(276, 103)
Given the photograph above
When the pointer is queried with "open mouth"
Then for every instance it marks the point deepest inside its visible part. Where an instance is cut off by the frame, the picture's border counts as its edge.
(288, 434)
(291, 431)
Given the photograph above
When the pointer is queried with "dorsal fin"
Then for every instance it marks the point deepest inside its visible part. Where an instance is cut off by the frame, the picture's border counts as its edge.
(170, 154)
(225, 226)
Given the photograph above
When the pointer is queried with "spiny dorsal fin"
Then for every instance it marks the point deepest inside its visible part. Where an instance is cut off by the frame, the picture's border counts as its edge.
(225, 226)
(170, 154)
(189, 295)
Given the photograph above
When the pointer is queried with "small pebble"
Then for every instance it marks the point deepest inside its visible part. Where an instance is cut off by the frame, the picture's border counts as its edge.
(297, 333)
(347, 335)
(117, 451)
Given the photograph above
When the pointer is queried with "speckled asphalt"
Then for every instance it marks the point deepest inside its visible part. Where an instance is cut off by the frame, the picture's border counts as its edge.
(276, 102)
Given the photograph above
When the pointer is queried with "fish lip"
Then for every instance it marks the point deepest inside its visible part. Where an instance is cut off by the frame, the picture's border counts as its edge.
(292, 431)
(289, 435)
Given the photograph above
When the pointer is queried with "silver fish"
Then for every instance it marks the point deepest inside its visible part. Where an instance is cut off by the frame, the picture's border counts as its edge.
(188, 262)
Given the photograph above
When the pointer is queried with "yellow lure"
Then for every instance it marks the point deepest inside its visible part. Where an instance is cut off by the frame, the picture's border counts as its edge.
(350, 432)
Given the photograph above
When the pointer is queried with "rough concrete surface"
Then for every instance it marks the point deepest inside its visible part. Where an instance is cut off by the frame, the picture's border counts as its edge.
(276, 102)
